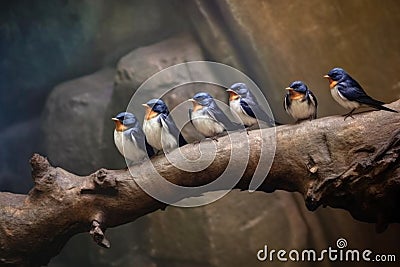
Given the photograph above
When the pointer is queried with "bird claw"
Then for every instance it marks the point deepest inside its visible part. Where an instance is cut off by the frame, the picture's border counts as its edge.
(350, 114)
(241, 130)
(196, 142)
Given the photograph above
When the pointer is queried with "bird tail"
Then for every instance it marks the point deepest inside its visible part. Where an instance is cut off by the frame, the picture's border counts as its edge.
(377, 104)
(387, 109)
(276, 123)
(233, 126)
(181, 140)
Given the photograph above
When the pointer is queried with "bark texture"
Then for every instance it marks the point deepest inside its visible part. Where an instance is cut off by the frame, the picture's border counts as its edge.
(352, 164)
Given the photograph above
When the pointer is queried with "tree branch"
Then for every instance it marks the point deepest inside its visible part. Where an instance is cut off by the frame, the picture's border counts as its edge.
(352, 164)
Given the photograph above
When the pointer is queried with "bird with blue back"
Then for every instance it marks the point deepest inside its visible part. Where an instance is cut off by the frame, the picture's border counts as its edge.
(130, 139)
(300, 102)
(244, 104)
(208, 118)
(349, 94)
(159, 127)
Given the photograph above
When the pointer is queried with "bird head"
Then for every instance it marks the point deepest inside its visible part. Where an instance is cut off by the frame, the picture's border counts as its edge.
(237, 90)
(124, 121)
(297, 90)
(155, 107)
(201, 100)
(335, 75)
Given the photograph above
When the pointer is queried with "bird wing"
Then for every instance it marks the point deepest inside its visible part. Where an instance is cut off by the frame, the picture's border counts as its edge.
(137, 134)
(287, 102)
(190, 116)
(312, 100)
(172, 128)
(352, 90)
(254, 110)
(219, 116)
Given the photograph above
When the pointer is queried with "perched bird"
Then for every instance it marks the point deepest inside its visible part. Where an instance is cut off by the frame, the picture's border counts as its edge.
(244, 104)
(300, 103)
(349, 93)
(130, 139)
(159, 127)
(207, 117)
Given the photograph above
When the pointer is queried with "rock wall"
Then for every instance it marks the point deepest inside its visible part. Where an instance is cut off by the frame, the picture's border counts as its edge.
(73, 122)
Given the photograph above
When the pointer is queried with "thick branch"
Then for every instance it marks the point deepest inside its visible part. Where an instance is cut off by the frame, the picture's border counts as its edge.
(352, 164)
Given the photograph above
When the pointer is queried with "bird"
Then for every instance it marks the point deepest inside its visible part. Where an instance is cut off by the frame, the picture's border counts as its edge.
(300, 102)
(349, 93)
(208, 118)
(243, 103)
(159, 127)
(130, 139)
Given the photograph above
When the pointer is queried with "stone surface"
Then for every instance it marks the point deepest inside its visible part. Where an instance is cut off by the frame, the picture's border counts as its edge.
(73, 122)
(142, 63)
(47, 43)
(44, 44)
(229, 232)
(210, 28)
(126, 249)
(17, 144)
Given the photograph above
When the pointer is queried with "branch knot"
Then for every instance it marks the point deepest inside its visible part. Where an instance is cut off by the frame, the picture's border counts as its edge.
(103, 180)
(42, 173)
(40, 166)
(98, 235)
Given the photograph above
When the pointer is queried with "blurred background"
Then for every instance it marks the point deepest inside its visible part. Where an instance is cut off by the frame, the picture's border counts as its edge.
(66, 67)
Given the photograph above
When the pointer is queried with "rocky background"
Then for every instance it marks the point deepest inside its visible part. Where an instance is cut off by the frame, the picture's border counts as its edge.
(67, 66)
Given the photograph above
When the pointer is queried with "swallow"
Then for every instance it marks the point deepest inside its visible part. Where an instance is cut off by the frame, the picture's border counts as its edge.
(243, 103)
(300, 102)
(349, 93)
(159, 127)
(130, 139)
(207, 117)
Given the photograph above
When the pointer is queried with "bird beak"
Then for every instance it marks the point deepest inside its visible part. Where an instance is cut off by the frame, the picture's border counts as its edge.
(119, 126)
(332, 83)
(150, 113)
(289, 88)
(232, 94)
(196, 105)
